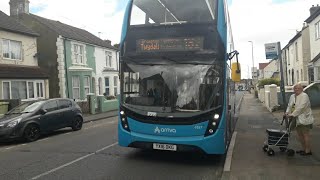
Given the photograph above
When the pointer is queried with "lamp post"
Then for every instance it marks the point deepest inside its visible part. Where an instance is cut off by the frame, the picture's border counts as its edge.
(252, 58)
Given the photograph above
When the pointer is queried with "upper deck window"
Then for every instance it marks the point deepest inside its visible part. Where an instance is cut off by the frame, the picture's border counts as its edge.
(172, 11)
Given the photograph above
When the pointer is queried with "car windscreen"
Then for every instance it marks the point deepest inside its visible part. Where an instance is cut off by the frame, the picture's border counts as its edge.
(26, 107)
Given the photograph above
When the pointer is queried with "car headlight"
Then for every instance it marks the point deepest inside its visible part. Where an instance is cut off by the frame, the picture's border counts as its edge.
(14, 123)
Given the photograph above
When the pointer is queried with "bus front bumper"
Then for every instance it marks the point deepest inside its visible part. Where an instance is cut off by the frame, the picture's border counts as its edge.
(214, 144)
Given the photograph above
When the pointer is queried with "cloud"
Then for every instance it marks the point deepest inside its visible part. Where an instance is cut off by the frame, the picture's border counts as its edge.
(265, 21)
(260, 21)
(102, 18)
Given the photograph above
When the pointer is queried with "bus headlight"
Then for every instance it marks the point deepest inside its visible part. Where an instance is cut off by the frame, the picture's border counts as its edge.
(124, 121)
(213, 124)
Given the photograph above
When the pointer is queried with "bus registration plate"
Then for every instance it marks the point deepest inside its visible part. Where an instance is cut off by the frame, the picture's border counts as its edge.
(168, 147)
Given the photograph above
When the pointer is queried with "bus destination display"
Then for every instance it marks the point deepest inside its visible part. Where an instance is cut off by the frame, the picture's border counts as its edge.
(170, 44)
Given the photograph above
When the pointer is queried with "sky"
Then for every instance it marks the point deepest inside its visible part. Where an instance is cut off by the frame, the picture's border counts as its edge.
(259, 21)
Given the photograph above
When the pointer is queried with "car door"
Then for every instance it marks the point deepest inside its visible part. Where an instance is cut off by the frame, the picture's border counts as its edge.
(48, 120)
(65, 112)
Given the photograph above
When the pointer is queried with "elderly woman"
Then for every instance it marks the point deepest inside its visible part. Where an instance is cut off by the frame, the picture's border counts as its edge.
(299, 108)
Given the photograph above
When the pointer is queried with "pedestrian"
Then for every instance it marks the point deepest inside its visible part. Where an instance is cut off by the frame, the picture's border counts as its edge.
(299, 110)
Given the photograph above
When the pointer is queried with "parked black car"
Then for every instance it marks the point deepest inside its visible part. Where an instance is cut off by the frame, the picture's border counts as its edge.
(31, 119)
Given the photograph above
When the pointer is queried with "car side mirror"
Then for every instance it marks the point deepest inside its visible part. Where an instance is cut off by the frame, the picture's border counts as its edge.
(43, 111)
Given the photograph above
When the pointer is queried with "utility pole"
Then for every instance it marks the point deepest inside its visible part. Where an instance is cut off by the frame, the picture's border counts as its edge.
(252, 81)
(282, 89)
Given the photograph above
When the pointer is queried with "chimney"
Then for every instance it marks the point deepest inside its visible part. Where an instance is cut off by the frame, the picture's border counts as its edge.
(313, 9)
(18, 7)
(108, 42)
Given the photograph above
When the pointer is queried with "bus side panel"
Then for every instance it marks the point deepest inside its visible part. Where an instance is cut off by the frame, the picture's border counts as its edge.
(222, 25)
(125, 22)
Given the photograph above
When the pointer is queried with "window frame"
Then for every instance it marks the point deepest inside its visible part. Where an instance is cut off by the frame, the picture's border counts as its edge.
(10, 50)
(105, 85)
(9, 89)
(108, 55)
(75, 88)
(86, 86)
(317, 30)
(78, 55)
(34, 85)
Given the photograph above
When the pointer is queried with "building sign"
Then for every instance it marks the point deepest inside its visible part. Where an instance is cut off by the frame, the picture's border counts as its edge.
(170, 44)
(271, 50)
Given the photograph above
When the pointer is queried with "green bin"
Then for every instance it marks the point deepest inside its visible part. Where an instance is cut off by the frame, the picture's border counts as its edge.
(4, 107)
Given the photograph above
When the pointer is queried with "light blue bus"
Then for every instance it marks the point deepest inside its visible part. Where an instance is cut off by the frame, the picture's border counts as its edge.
(175, 76)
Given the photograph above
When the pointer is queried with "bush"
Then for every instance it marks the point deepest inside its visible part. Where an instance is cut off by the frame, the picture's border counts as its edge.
(110, 97)
(269, 81)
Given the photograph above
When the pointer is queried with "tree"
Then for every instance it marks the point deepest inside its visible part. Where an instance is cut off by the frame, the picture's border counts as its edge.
(268, 81)
(116, 46)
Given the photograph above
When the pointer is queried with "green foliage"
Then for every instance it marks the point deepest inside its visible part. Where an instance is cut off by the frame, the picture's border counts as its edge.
(268, 81)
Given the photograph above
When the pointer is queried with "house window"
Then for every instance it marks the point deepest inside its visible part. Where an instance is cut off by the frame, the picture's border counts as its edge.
(301, 74)
(288, 55)
(11, 49)
(108, 58)
(298, 76)
(87, 84)
(115, 85)
(30, 90)
(296, 48)
(22, 89)
(318, 72)
(317, 30)
(78, 54)
(39, 88)
(19, 89)
(6, 90)
(107, 87)
(76, 87)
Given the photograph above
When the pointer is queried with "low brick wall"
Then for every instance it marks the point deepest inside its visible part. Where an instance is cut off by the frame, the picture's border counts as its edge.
(107, 105)
(84, 105)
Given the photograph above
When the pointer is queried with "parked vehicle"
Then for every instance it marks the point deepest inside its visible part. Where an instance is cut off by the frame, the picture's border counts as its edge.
(31, 119)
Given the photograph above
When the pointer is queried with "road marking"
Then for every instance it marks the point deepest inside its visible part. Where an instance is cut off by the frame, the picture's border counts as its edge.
(227, 164)
(72, 162)
(11, 147)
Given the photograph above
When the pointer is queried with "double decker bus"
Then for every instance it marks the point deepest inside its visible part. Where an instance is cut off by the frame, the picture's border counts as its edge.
(175, 76)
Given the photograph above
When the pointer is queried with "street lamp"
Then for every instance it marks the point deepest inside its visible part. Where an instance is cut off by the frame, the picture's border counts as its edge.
(252, 57)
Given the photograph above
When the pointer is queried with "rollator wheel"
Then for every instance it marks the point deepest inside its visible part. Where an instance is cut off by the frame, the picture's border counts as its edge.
(265, 148)
(271, 152)
(283, 149)
(290, 152)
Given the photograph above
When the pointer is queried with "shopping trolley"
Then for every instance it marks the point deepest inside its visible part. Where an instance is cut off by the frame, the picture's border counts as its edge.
(279, 138)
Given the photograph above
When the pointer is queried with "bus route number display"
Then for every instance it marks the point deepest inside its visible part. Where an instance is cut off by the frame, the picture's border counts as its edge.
(170, 44)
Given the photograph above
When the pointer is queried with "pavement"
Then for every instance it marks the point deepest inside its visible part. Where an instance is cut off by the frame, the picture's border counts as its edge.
(250, 162)
(99, 116)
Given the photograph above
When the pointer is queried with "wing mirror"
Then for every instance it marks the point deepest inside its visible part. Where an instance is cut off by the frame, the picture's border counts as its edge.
(43, 111)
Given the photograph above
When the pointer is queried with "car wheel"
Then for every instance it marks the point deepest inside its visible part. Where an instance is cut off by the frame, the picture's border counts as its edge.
(31, 133)
(77, 123)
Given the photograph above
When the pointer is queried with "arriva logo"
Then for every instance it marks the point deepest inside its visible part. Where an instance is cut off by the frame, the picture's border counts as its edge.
(164, 130)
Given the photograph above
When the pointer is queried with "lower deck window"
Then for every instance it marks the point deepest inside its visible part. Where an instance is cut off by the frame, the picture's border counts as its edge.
(19, 89)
